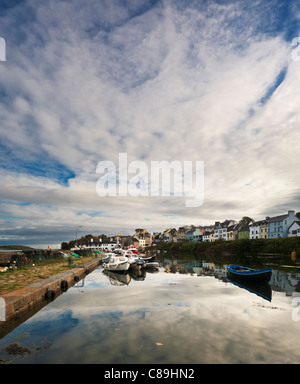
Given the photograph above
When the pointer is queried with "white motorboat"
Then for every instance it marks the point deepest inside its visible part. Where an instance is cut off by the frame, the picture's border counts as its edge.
(132, 249)
(134, 260)
(152, 264)
(107, 256)
(118, 251)
(116, 263)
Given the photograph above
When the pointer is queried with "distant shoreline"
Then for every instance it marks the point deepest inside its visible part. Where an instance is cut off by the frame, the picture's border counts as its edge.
(14, 247)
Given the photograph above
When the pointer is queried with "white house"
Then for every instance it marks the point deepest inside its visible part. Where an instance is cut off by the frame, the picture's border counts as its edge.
(206, 236)
(294, 229)
(258, 229)
(97, 245)
(221, 229)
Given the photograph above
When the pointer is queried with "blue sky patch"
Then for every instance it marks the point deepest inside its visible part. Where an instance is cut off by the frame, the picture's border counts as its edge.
(279, 80)
(39, 165)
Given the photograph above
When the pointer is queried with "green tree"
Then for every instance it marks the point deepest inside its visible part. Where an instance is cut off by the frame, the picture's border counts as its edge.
(246, 220)
(64, 245)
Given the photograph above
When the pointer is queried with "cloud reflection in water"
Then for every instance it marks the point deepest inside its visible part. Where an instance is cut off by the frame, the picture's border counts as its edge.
(170, 318)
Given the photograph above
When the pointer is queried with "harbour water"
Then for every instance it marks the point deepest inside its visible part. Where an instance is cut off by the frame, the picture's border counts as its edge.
(184, 313)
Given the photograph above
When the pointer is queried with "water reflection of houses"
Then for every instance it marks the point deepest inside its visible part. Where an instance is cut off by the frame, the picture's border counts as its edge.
(182, 266)
(285, 282)
(280, 281)
(197, 267)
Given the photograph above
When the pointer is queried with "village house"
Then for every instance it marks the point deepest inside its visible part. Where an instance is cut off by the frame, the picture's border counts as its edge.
(174, 235)
(258, 230)
(142, 238)
(278, 226)
(221, 229)
(232, 232)
(208, 236)
(138, 241)
(294, 229)
(244, 231)
(156, 237)
(263, 230)
(181, 234)
(96, 243)
(126, 241)
(170, 235)
(197, 234)
(189, 234)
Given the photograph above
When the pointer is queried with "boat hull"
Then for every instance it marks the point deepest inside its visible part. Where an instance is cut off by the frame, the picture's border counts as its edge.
(121, 267)
(152, 264)
(117, 264)
(248, 274)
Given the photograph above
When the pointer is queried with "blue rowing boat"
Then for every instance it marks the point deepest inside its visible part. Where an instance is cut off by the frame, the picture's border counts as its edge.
(249, 274)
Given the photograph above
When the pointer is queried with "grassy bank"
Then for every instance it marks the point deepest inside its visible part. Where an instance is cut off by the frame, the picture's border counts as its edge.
(23, 276)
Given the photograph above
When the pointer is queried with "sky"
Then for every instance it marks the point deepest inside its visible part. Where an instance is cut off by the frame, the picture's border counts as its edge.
(193, 81)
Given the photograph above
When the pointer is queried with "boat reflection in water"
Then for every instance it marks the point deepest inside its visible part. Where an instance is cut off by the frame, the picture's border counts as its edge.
(195, 315)
(116, 278)
(138, 274)
(262, 290)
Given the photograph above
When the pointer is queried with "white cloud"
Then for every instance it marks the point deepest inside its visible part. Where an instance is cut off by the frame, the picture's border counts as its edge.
(84, 83)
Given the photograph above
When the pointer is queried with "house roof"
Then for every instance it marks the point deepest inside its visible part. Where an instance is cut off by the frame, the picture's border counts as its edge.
(245, 227)
(227, 223)
(296, 221)
(190, 232)
(259, 222)
(277, 218)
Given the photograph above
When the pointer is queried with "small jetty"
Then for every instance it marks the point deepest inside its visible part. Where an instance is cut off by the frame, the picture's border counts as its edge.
(22, 303)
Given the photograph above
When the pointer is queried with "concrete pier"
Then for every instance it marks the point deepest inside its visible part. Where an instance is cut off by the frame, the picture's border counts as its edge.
(17, 303)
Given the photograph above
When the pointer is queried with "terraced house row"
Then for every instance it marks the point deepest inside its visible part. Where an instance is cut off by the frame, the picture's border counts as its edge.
(285, 225)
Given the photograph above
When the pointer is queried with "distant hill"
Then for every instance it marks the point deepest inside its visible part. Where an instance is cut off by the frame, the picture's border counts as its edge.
(13, 247)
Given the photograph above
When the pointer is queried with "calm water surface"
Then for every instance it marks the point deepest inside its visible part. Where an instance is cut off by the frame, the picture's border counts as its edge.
(195, 317)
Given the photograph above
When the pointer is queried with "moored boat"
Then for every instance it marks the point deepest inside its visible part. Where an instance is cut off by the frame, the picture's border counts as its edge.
(133, 249)
(116, 264)
(249, 274)
(134, 259)
(107, 256)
